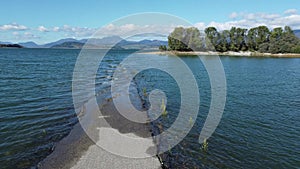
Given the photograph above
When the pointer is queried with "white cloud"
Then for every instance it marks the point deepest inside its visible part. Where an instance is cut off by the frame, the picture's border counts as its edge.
(291, 12)
(12, 26)
(249, 20)
(133, 29)
(25, 36)
(233, 15)
(250, 16)
(200, 25)
(42, 29)
(241, 19)
(55, 29)
(124, 30)
(77, 32)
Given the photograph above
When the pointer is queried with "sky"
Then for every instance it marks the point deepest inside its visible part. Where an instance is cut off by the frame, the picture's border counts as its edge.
(47, 21)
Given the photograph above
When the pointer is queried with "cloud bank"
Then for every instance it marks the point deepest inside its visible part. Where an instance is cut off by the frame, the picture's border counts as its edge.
(12, 26)
(289, 17)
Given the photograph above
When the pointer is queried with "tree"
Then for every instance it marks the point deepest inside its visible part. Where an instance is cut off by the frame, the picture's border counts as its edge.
(194, 40)
(211, 39)
(288, 41)
(238, 39)
(276, 34)
(176, 40)
(288, 30)
(224, 39)
(185, 39)
(263, 34)
(233, 39)
(260, 39)
(280, 41)
(289, 36)
(162, 48)
(296, 49)
(251, 39)
(257, 36)
(264, 48)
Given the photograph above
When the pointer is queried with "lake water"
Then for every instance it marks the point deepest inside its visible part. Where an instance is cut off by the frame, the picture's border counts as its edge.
(260, 127)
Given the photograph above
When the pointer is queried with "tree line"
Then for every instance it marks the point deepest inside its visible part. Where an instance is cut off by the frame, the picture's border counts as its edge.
(261, 39)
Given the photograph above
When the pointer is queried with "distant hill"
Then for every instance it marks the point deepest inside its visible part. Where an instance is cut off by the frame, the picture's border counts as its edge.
(106, 42)
(29, 45)
(297, 33)
(94, 42)
(68, 45)
(141, 44)
(61, 41)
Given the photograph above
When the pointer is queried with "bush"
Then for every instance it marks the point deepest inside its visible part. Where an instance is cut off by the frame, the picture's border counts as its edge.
(162, 48)
(263, 48)
(296, 49)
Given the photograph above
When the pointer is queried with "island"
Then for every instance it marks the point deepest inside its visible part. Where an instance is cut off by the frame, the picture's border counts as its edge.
(257, 41)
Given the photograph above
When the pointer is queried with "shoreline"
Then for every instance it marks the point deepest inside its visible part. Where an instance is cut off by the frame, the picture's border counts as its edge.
(77, 150)
(230, 53)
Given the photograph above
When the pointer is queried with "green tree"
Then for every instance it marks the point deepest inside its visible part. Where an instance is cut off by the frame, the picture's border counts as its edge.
(288, 41)
(240, 39)
(281, 41)
(276, 34)
(288, 30)
(162, 48)
(236, 39)
(296, 49)
(212, 37)
(264, 48)
(263, 34)
(224, 39)
(194, 40)
(185, 39)
(176, 40)
(233, 39)
(251, 39)
(257, 36)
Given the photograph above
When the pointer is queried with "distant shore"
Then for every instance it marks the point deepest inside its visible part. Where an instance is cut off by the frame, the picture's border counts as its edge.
(230, 53)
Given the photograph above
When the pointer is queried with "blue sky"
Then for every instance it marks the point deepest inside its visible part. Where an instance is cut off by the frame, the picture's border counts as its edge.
(44, 21)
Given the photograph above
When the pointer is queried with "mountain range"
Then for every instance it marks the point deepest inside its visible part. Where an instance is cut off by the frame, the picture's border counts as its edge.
(106, 42)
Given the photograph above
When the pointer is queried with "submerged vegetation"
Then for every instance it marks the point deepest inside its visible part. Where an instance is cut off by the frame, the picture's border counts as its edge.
(163, 108)
(205, 145)
(258, 39)
(144, 91)
(191, 121)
